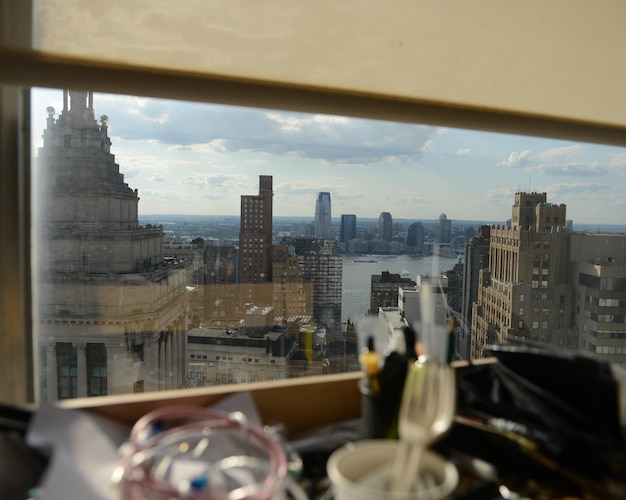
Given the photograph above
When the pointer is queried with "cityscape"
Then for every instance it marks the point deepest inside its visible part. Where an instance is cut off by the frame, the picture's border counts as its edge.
(127, 302)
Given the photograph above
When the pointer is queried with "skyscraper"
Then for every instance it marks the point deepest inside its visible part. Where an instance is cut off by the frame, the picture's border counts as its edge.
(385, 226)
(322, 215)
(525, 291)
(112, 311)
(347, 229)
(322, 267)
(255, 234)
(476, 258)
(444, 229)
(415, 236)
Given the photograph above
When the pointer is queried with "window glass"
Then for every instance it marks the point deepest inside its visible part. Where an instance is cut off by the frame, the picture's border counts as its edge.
(180, 244)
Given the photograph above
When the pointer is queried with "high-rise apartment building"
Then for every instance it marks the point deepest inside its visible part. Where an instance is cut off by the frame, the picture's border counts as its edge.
(444, 229)
(255, 234)
(384, 289)
(322, 267)
(525, 292)
(385, 226)
(347, 229)
(476, 258)
(322, 216)
(111, 311)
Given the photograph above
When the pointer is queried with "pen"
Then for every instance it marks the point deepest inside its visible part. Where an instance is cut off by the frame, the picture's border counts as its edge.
(370, 364)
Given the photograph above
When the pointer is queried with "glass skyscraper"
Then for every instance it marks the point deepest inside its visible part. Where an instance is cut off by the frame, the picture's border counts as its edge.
(347, 229)
(322, 215)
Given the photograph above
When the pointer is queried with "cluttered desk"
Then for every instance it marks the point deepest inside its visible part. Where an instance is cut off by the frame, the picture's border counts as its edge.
(526, 423)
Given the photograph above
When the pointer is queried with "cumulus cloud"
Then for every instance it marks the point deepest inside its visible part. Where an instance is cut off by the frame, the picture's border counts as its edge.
(463, 152)
(428, 146)
(515, 160)
(157, 178)
(573, 169)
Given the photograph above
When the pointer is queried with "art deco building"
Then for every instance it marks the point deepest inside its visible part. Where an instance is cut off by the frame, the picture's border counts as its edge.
(322, 215)
(111, 312)
(525, 292)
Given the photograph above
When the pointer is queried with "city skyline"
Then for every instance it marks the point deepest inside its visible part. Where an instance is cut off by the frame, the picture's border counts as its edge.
(189, 158)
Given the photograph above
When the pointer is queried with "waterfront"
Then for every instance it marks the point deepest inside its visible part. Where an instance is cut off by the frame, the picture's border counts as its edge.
(357, 277)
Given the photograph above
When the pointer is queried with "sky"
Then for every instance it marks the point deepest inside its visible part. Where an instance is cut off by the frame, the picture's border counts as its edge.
(190, 158)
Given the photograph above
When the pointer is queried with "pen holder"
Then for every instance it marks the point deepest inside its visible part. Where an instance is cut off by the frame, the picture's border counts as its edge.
(362, 471)
(379, 412)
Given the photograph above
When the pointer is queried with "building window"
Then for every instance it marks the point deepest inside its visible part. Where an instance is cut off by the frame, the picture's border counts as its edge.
(97, 370)
(67, 370)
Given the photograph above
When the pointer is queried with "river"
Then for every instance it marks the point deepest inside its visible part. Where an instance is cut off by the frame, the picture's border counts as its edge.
(357, 277)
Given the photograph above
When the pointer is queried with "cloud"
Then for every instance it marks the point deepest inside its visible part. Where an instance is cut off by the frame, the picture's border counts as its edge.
(500, 194)
(210, 128)
(576, 187)
(515, 160)
(463, 152)
(618, 160)
(158, 178)
(556, 154)
(573, 169)
(214, 182)
(428, 146)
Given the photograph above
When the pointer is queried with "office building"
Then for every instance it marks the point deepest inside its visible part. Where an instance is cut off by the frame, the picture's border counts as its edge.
(525, 292)
(322, 216)
(111, 311)
(239, 355)
(443, 233)
(347, 229)
(415, 237)
(598, 277)
(385, 226)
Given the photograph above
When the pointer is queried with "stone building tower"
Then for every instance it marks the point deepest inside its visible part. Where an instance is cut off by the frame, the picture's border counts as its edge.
(112, 315)
(525, 292)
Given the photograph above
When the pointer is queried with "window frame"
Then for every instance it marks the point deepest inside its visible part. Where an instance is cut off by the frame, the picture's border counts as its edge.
(29, 68)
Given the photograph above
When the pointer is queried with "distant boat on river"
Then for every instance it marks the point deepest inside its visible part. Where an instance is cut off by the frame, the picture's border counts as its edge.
(371, 261)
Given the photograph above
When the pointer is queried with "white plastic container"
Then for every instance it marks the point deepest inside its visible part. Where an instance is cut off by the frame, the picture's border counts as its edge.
(361, 471)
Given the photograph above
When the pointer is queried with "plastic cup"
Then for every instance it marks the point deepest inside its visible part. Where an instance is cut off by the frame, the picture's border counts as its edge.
(361, 471)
